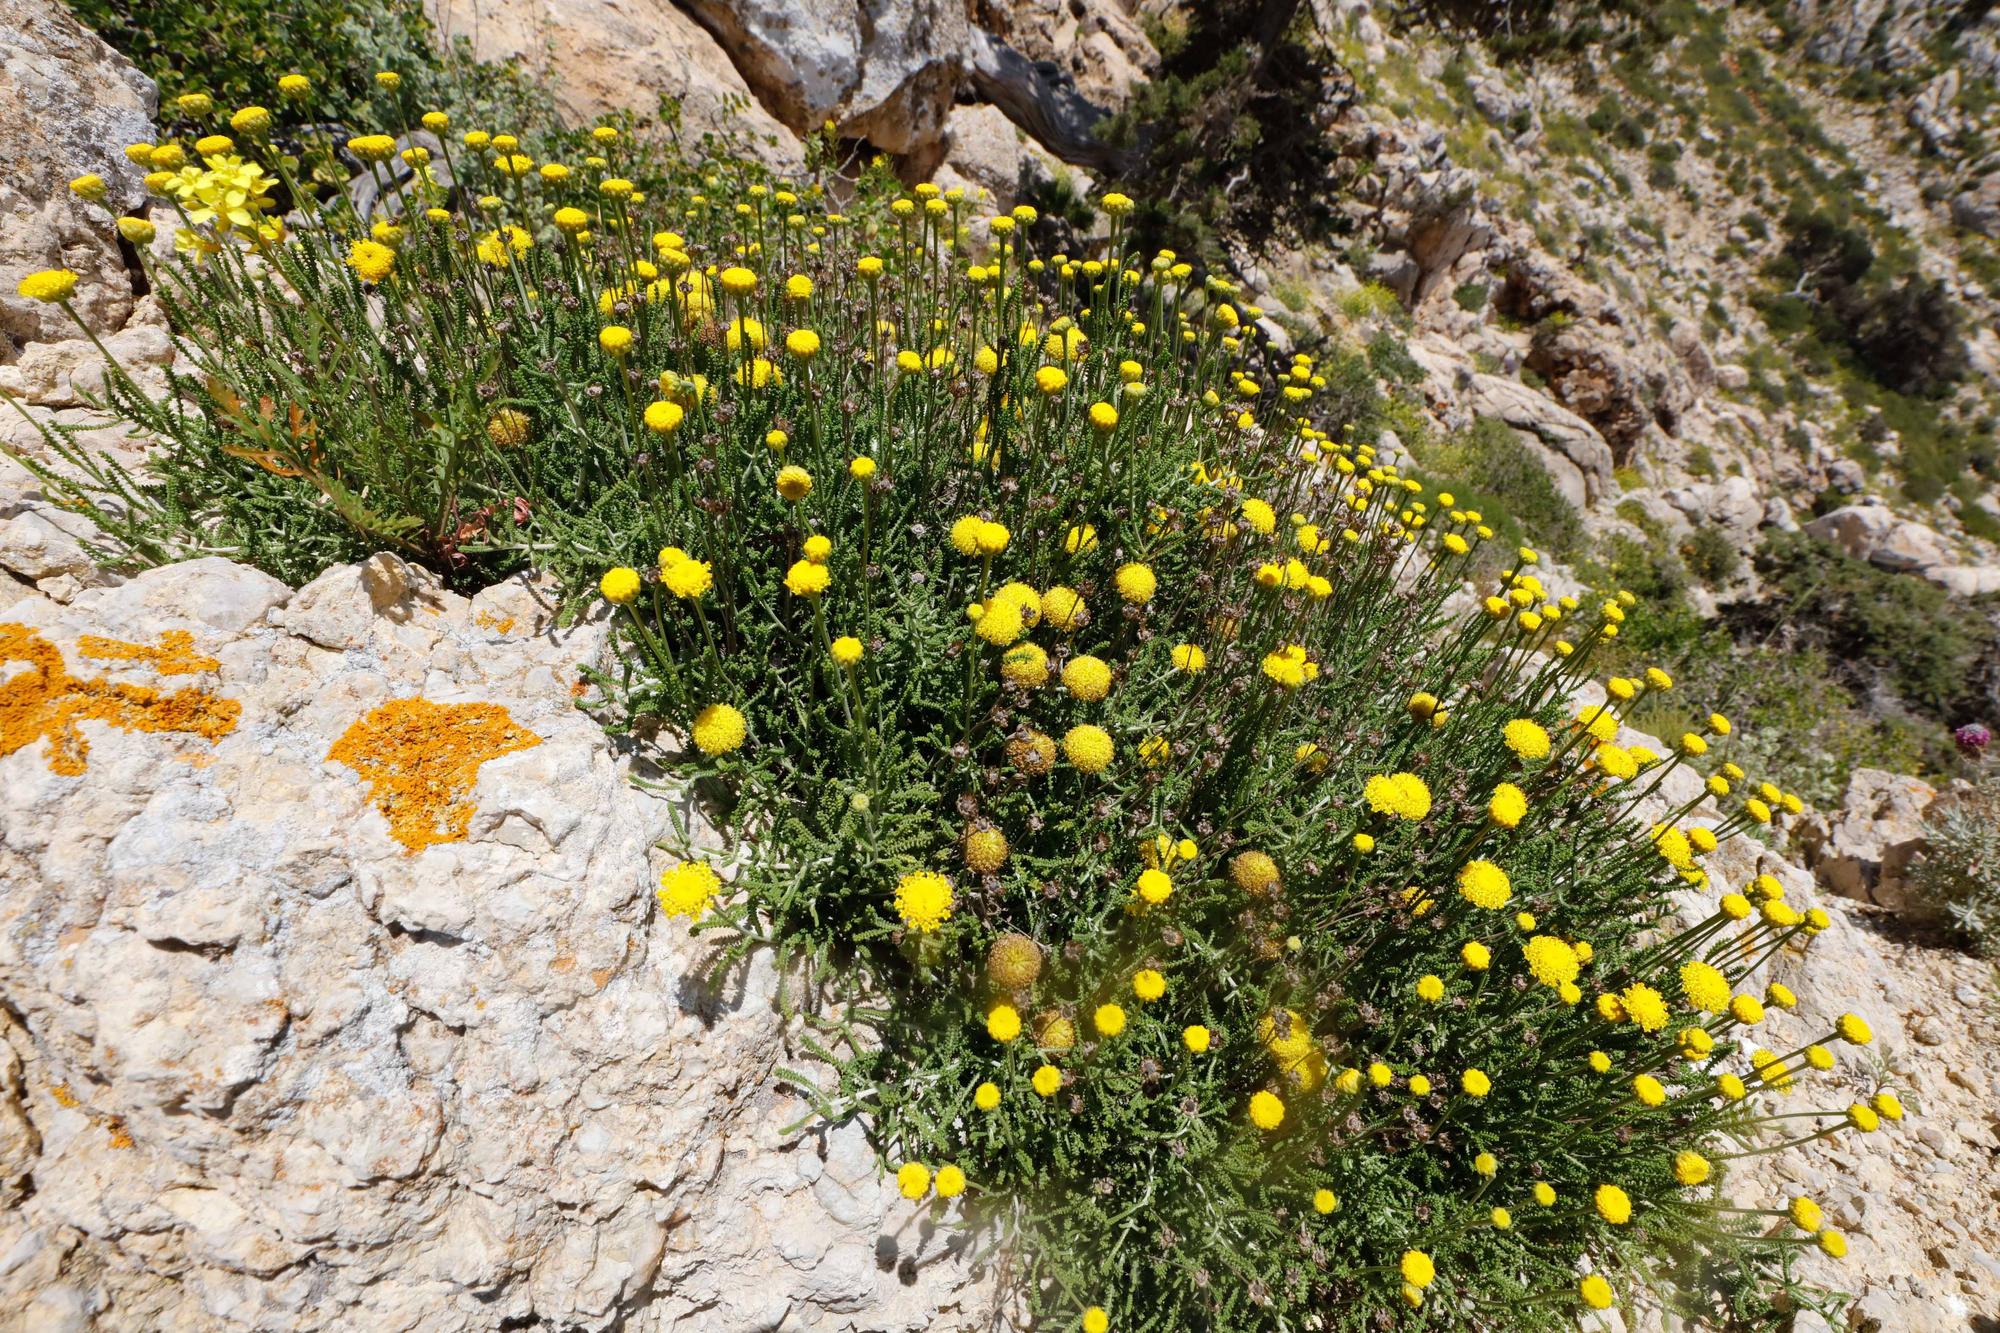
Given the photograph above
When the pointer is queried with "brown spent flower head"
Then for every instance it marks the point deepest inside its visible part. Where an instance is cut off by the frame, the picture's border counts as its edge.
(1014, 962)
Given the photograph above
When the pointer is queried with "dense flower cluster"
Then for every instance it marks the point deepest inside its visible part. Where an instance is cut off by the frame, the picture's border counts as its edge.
(1257, 941)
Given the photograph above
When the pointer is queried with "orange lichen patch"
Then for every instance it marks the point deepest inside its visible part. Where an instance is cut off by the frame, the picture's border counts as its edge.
(420, 760)
(115, 1129)
(46, 702)
(64, 1097)
(499, 624)
(173, 655)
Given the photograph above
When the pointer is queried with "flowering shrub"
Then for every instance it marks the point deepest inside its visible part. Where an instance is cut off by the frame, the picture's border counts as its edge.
(1249, 930)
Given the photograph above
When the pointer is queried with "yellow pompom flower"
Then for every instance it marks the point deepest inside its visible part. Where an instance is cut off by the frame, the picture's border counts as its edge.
(737, 280)
(1484, 884)
(620, 585)
(924, 900)
(1195, 1037)
(1149, 984)
(1096, 1321)
(49, 285)
(615, 339)
(1325, 1201)
(664, 418)
(718, 729)
(998, 621)
(1596, 1292)
(1063, 609)
(687, 889)
(1526, 738)
(1267, 1112)
(986, 1096)
(371, 261)
(1508, 806)
(1108, 1019)
(1155, 886)
(1475, 1083)
(845, 650)
(1645, 1007)
(1189, 658)
(1706, 989)
(950, 1182)
(913, 1180)
(1550, 960)
(1047, 1080)
(794, 482)
(1087, 678)
(1003, 1022)
(1417, 1269)
(1088, 748)
(1051, 380)
(1026, 665)
(1613, 1205)
(1135, 583)
(807, 579)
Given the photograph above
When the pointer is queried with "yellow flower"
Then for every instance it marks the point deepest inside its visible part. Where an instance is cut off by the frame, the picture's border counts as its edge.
(1096, 1321)
(986, 1096)
(1475, 1083)
(1325, 1201)
(1526, 738)
(295, 85)
(1267, 1112)
(371, 261)
(1103, 418)
(1596, 1292)
(1403, 795)
(1690, 1168)
(1195, 1037)
(1476, 956)
(49, 285)
(718, 729)
(1047, 1080)
(802, 343)
(1417, 1269)
(1706, 989)
(1552, 962)
(738, 281)
(924, 900)
(1051, 380)
(664, 418)
(619, 585)
(998, 620)
(1062, 607)
(950, 1182)
(807, 579)
(1645, 1007)
(913, 1180)
(1484, 884)
(1087, 678)
(1003, 1022)
(1149, 984)
(1613, 1205)
(1135, 583)
(794, 483)
(1508, 805)
(1155, 886)
(1088, 748)
(846, 650)
(684, 576)
(1109, 1020)
(687, 889)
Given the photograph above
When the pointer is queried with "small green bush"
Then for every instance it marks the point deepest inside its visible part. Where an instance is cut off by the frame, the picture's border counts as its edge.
(1956, 878)
(1502, 473)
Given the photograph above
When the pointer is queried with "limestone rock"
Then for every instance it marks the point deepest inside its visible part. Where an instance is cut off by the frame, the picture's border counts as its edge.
(269, 1067)
(1862, 850)
(1874, 533)
(1577, 458)
(983, 147)
(622, 55)
(68, 105)
(1978, 209)
(1096, 44)
(882, 70)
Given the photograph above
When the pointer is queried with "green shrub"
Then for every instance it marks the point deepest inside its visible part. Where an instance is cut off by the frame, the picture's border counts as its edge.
(1956, 878)
(1322, 974)
(235, 52)
(1470, 295)
(1711, 556)
(1497, 471)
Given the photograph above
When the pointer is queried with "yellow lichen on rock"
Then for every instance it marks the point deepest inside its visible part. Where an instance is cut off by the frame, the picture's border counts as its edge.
(46, 702)
(420, 760)
(173, 655)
